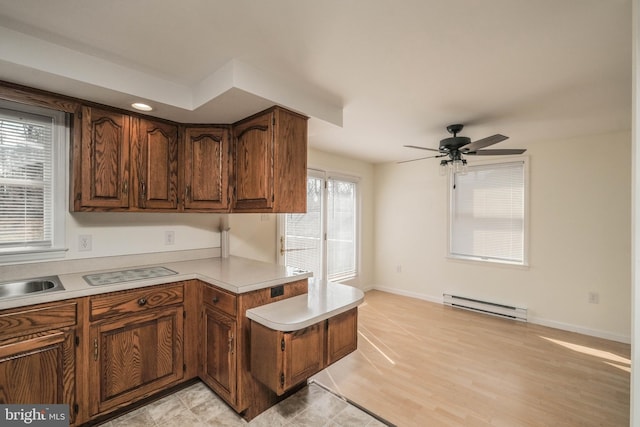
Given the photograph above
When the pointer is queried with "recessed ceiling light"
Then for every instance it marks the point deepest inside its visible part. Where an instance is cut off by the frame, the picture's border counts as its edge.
(141, 106)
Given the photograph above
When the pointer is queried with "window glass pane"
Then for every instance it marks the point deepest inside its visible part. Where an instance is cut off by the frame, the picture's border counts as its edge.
(487, 218)
(341, 229)
(324, 240)
(26, 159)
(303, 232)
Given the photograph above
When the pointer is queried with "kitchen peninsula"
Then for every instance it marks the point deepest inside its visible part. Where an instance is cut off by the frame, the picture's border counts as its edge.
(138, 334)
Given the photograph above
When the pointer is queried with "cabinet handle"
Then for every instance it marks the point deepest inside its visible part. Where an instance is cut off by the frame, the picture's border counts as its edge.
(142, 301)
(215, 300)
(125, 187)
(95, 349)
(231, 344)
(187, 193)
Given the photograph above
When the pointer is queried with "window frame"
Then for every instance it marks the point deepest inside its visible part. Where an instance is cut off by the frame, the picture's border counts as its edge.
(526, 237)
(59, 193)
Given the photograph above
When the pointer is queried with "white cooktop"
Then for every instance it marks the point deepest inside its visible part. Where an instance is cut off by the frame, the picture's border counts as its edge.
(112, 277)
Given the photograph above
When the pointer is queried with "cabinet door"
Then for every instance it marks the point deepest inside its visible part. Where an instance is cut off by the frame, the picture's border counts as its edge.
(281, 360)
(206, 169)
(342, 335)
(219, 354)
(135, 356)
(155, 165)
(39, 368)
(304, 355)
(105, 159)
(253, 160)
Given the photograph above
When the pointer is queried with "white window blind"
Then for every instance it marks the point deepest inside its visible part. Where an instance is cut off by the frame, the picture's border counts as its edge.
(324, 240)
(488, 213)
(30, 172)
(303, 232)
(341, 229)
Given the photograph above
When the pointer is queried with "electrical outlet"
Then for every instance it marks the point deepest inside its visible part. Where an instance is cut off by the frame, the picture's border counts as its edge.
(169, 237)
(594, 298)
(264, 217)
(84, 242)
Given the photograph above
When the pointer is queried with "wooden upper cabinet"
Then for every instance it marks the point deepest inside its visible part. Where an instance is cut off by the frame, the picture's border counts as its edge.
(124, 162)
(270, 162)
(104, 159)
(206, 168)
(154, 165)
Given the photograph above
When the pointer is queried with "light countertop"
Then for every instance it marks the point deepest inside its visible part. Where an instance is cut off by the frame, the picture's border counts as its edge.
(234, 274)
(323, 301)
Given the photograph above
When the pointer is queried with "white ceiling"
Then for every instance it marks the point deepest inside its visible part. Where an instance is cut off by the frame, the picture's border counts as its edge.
(373, 75)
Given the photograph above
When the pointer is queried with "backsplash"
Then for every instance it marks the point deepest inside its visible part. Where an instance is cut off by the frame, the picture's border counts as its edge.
(20, 271)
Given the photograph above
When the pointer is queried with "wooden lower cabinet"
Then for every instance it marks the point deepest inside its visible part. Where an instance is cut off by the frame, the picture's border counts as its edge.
(219, 366)
(37, 355)
(342, 335)
(137, 353)
(103, 353)
(281, 360)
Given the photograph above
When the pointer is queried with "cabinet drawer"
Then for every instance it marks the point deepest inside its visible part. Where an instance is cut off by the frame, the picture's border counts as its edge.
(134, 301)
(37, 318)
(220, 300)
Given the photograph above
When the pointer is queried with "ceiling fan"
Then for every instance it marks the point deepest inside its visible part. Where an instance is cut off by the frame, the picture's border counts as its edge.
(454, 147)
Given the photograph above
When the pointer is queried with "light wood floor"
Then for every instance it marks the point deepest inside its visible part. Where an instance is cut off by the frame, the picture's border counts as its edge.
(425, 364)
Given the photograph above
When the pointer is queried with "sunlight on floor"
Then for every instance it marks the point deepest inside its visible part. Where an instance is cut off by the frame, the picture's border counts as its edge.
(377, 348)
(624, 368)
(610, 358)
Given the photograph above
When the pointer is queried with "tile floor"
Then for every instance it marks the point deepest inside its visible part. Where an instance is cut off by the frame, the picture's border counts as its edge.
(197, 405)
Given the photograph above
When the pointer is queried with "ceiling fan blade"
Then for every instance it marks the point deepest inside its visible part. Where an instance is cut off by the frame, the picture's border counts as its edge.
(498, 152)
(421, 158)
(422, 148)
(484, 142)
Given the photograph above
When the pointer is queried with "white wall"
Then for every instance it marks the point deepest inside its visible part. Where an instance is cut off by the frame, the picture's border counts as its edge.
(254, 235)
(635, 195)
(579, 237)
(119, 233)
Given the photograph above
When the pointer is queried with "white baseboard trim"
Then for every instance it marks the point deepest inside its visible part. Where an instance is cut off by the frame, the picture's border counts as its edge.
(532, 319)
(581, 330)
(404, 293)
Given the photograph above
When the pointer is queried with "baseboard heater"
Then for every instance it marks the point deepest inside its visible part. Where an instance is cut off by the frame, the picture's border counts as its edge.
(494, 309)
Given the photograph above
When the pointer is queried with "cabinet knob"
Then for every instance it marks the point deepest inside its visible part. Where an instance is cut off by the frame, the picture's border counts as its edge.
(215, 300)
(142, 301)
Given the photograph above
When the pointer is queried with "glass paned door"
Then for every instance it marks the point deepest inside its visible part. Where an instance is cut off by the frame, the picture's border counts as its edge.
(300, 243)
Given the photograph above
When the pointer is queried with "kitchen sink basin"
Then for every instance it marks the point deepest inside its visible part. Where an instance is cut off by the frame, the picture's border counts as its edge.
(25, 287)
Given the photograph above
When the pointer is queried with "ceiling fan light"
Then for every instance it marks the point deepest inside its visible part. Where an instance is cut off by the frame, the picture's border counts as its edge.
(459, 167)
(443, 169)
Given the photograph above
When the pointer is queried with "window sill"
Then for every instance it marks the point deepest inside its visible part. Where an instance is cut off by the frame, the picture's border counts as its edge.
(16, 256)
(488, 262)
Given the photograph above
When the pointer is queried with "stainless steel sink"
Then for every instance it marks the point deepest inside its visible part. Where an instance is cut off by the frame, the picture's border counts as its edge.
(30, 286)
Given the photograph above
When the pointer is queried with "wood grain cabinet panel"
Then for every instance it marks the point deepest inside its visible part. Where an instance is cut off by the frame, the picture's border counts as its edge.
(281, 360)
(136, 345)
(219, 362)
(206, 169)
(134, 301)
(154, 165)
(37, 355)
(342, 335)
(270, 162)
(104, 159)
(135, 356)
